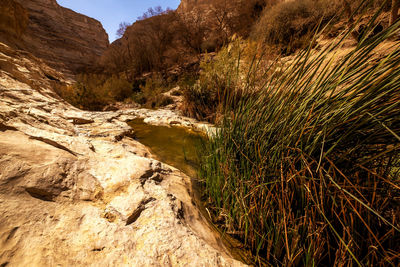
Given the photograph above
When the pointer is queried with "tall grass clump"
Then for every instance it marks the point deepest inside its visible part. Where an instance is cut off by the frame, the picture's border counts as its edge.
(307, 171)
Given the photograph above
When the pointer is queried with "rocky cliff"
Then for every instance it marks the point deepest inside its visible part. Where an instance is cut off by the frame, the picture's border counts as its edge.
(65, 39)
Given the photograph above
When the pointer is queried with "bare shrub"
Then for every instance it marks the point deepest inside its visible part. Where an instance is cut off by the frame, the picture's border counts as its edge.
(191, 31)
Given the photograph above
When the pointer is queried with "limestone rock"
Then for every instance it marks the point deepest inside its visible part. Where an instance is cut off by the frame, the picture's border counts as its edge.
(72, 194)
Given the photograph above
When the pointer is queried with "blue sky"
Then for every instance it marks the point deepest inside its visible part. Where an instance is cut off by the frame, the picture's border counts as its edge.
(111, 12)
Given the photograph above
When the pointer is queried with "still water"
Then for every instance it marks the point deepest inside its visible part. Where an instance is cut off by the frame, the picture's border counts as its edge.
(172, 145)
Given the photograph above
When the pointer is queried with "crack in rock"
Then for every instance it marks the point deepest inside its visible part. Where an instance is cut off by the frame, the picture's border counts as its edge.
(12, 233)
(55, 144)
(81, 121)
(136, 214)
(4, 128)
(155, 173)
(40, 194)
(177, 206)
(129, 133)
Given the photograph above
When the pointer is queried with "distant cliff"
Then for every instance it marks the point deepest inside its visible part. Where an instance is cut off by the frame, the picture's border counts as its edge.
(65, 39)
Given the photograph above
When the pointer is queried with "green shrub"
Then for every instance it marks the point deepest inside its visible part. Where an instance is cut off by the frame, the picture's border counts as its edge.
(307, 172)
(222, 79)
(200, 103)
(116, 88)
(151, 93)
(164, 101)
(139, 98)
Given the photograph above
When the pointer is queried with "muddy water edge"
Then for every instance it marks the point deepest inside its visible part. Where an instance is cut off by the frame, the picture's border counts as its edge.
(178, 147)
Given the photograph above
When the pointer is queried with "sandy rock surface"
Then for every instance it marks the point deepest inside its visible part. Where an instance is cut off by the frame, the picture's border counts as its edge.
(77, 190)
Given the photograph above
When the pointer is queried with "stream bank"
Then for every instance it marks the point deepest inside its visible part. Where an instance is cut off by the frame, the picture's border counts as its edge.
(77, 190)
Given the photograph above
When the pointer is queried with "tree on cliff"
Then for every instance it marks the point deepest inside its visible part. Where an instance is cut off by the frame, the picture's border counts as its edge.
(122, 28)
(153, 35)
(152, 12)
(223, 17)
(230, 17)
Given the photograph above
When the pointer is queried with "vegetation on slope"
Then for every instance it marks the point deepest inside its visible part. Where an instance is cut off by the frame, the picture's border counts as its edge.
(170, 44)
(97, 91)
(306, 171)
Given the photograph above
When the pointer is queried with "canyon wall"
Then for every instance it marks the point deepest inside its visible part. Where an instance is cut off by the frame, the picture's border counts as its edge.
(13, 20)
(65, 39)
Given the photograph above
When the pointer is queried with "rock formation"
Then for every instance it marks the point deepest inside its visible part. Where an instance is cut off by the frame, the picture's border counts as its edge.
(65, 39)
(77, 190)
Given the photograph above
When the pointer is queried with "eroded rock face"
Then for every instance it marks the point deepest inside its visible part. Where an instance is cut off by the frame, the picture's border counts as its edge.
(13, 20)
(76, 190)
(64, 38)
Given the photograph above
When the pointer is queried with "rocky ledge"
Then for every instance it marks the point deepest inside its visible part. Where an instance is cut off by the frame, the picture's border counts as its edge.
(76, 189)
